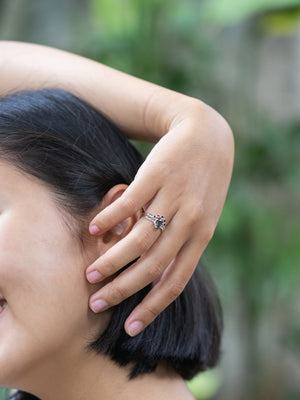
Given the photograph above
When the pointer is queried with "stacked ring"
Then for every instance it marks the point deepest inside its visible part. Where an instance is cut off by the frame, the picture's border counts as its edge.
(158, 220)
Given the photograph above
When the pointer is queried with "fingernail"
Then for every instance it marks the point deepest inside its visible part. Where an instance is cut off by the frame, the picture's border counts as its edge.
(94, 277)
(99, 305)
(94, 229)
(135, 328)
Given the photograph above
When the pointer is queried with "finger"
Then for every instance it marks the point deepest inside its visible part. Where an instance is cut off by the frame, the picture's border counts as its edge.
(169, 287)
(133, 199)
(135, 243)
(139, 240)
(146, 270)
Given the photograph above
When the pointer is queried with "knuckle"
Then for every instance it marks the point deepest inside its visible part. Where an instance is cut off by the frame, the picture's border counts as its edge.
(209, 233)
(154, 271)
(129, 204)
(143, 240)
(175, 289)
(151, 312)
(195, 214)
(107, 267)
(159, 169)
(194, 217)
(117, 293)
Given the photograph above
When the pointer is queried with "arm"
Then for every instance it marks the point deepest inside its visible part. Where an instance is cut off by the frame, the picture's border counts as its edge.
(133, 104)
(185, 177)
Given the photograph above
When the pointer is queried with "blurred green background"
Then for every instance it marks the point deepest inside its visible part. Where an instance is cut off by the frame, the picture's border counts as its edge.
(242, 58)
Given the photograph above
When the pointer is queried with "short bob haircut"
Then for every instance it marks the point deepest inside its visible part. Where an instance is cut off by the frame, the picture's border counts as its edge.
(79, 154)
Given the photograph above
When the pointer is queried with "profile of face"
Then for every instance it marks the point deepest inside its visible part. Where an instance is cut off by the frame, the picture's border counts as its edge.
(42, 279)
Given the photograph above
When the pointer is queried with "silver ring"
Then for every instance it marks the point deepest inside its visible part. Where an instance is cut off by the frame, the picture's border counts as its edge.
(158, 220)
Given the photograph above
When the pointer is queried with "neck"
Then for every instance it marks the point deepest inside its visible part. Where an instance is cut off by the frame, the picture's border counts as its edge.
(96, 377)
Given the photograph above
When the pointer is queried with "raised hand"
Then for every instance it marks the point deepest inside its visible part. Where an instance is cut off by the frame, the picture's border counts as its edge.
(185, 178)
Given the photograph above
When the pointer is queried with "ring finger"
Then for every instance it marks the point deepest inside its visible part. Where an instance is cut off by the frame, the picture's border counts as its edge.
(143, 272)
(139, 240)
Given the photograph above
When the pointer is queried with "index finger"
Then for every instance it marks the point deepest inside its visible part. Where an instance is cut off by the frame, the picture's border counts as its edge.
(134, 198)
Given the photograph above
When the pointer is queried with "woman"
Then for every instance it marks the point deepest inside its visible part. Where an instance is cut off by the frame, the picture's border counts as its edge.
(60, 163)
(185, 177)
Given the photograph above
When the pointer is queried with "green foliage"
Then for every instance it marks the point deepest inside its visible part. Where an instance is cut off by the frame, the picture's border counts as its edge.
(205, 385)
(254, 254)
(260, 222)
(283, 22)
(151, 40)
(227, 12)
(255, 250)
(4, 393)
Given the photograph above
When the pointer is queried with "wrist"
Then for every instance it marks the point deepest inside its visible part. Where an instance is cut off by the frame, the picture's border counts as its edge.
(205, 128)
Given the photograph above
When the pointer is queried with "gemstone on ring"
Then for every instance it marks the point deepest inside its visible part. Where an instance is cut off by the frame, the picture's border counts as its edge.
(158, 220)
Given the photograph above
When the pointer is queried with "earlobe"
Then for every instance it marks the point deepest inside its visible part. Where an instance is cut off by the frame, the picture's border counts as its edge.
(120, 230)
(117, 232)
(97, 245)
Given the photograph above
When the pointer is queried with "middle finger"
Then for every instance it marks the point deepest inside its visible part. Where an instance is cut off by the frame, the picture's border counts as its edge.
(137, 242)
(146, 270)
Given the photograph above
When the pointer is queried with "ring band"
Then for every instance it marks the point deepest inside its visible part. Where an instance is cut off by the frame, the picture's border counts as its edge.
(158, 220)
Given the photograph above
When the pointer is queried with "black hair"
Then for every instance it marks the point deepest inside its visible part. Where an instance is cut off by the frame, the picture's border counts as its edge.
(69, 146)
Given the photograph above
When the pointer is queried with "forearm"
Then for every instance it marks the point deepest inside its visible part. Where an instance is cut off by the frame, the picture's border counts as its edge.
(144, 111)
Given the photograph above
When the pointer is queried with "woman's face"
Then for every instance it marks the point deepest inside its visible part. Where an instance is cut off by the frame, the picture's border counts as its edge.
(42, 278)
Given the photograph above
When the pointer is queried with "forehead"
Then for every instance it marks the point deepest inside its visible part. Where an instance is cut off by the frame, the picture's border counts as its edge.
(12, 178)
(16, 184)
(9, 172)
(32, 198)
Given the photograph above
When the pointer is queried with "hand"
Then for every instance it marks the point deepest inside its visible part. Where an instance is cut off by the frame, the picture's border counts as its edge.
(185, 178)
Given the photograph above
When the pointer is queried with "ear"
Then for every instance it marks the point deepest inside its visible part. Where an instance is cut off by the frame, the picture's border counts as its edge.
(122, 229)
(101, 243)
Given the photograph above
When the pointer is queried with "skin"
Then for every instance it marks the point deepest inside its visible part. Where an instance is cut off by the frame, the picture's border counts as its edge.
(44, 328)
(185, 177)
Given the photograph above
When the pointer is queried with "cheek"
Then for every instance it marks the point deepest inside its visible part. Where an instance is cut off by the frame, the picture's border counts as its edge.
(42, 276)
(43, 280)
